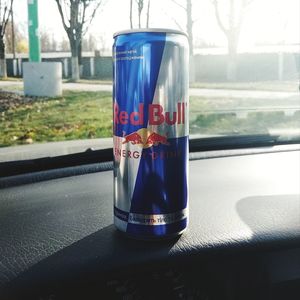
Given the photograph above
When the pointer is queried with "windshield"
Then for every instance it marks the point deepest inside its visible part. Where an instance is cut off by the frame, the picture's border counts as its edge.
(244, 70)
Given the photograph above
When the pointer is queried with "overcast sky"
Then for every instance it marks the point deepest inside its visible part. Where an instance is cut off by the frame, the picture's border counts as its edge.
(266, 21)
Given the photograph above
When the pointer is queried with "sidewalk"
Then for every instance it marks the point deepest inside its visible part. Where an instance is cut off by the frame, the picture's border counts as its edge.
(215, 93)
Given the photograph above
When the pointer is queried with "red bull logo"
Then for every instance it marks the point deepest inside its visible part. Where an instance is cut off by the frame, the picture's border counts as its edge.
(145, 138)
(133, 138)
(155, 139)
(156, 115)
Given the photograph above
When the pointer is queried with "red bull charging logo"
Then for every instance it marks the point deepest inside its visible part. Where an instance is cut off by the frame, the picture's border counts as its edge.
(145, 138)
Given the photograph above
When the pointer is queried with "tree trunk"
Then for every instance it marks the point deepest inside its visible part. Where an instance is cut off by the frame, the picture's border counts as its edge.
(3, 72)
(139, 19)
(130, 16)
(192, 71)
(75, 68)
(231, 73)
(231, 69)
(189, 25)
(148, 14)
(280, 65)
(74, 60)
(232, 40)
(189, 29)
(80, 59)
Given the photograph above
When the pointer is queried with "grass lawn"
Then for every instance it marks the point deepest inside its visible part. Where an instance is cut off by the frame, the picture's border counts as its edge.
(11, 79)
(83, 115)
(254, 123)
(220, 116)
(76, 115)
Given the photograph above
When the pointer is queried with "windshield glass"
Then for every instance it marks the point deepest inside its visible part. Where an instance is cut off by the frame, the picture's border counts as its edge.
(244, 69)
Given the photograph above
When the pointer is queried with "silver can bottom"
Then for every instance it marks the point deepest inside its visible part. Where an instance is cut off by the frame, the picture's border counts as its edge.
(122, 230)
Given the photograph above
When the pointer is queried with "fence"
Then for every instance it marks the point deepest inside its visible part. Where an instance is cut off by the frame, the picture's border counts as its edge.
(92, 67)
(211, 68)
(251, 67)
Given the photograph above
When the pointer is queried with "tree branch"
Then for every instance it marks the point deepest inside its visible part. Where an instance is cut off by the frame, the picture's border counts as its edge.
(85, 5)
(92, 17)
(217, 14)
(3, 21)
(5, 18)
(174, 20)
(178, 4)
(9, 13)
(245, 4)
(62, 15)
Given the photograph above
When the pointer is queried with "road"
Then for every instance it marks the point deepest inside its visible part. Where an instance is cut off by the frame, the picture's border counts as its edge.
(209, 93)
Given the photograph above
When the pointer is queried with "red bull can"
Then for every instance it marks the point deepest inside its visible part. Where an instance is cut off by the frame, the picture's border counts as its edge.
(150, 132)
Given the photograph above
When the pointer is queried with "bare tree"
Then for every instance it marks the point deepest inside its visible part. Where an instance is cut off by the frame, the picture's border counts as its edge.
(189, 21)
(45, 39)
(103, 44)
(54, 44)
(64, 45)
(187, 7)
(237, 10)
(16, 40)
(140, 7)
(148, 14)
(77, 16)
(13, 35)
(48, 41)
(130, 14)
(89, 43)
(5, 11)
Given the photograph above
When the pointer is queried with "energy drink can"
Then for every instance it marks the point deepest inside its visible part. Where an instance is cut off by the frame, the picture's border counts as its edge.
(150, 132)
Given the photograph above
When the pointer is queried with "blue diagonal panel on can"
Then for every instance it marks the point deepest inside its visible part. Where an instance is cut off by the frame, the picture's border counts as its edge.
(161, 184)
(137, 64)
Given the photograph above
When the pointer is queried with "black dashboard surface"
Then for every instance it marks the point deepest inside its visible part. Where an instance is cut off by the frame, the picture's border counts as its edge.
(58, 230)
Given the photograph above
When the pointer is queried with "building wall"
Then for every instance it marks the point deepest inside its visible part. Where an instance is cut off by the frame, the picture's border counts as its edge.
(211, 68)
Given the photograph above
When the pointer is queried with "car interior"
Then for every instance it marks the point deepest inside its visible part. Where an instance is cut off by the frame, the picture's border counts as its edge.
(57, 234)
(58, 240)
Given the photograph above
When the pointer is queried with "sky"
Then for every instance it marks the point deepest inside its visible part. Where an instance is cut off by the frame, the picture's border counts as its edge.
(266, 21)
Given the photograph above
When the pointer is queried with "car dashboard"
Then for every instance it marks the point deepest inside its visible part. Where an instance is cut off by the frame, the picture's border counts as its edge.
(58, 241)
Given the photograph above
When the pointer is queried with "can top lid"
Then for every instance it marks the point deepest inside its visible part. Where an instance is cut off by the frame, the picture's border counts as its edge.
(163, 30)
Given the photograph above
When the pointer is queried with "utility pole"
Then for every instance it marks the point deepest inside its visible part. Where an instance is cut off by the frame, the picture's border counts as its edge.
(33, 31)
